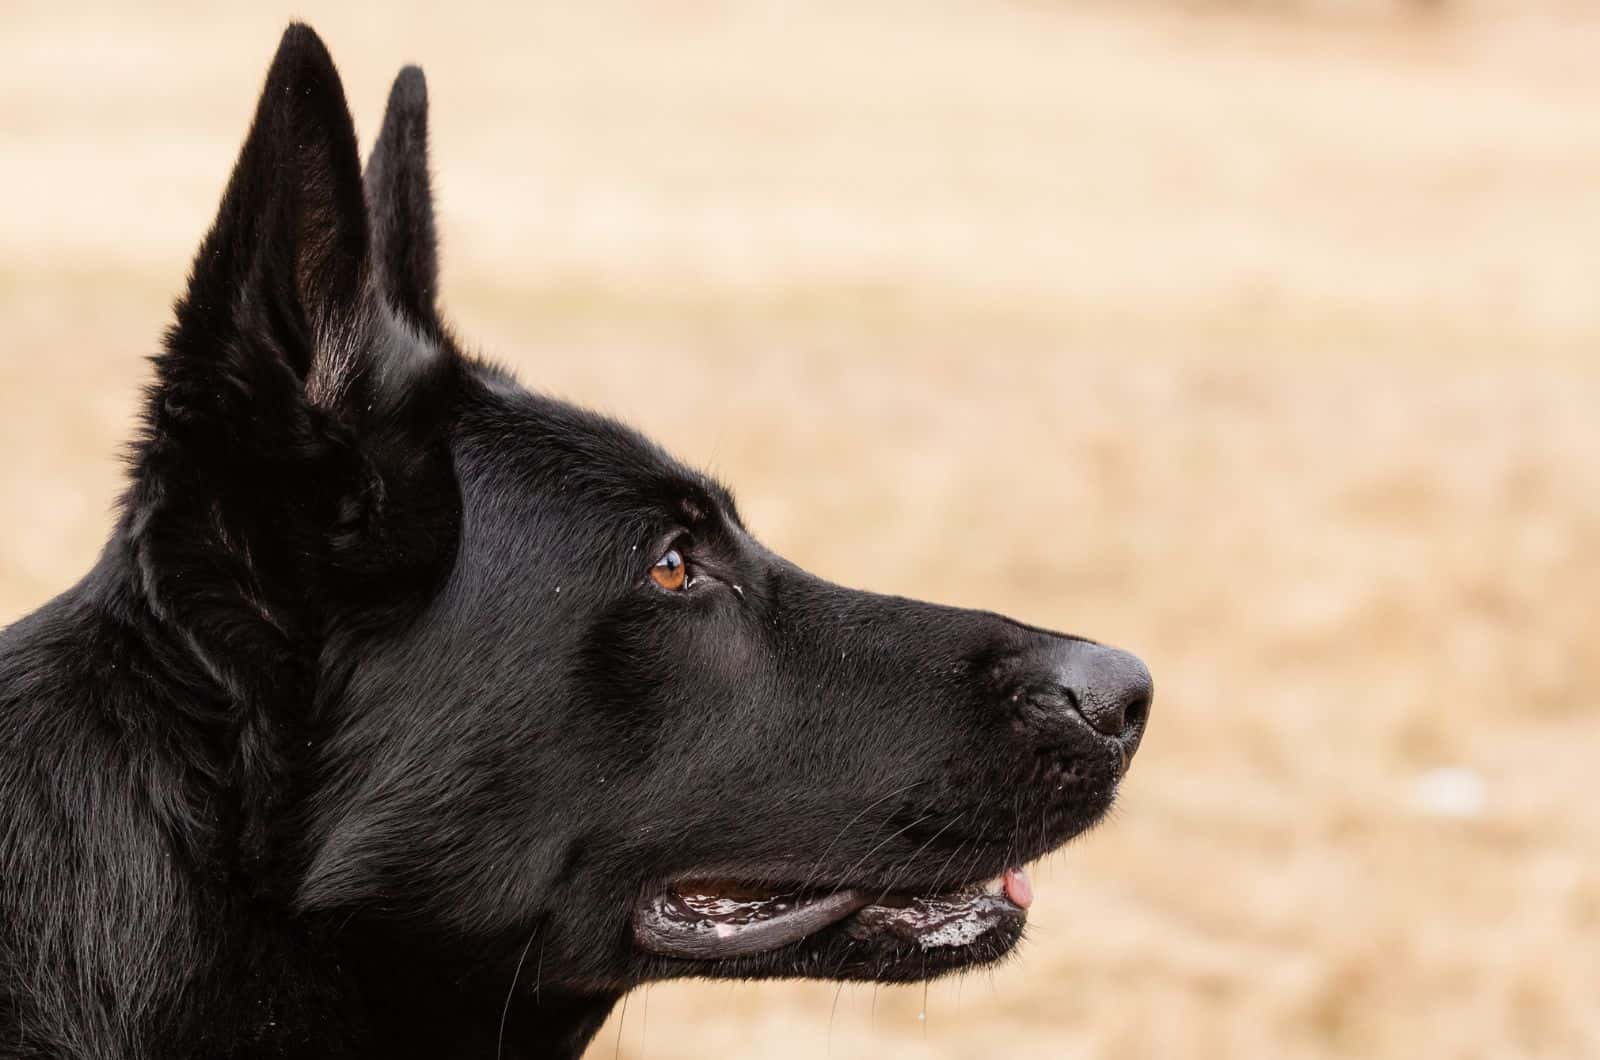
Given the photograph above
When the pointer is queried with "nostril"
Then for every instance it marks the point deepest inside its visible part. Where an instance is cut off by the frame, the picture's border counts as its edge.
(1107, 713)
(1111, 689)
(1137, 711)
(1064, 684)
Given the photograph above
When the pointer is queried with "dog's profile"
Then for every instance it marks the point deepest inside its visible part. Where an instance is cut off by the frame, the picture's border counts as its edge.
(408, 713)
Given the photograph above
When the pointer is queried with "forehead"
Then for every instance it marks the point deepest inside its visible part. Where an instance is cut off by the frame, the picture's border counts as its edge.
(518, 444)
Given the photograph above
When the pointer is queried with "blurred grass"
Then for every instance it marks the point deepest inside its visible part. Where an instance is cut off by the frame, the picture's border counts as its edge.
(1259, 338)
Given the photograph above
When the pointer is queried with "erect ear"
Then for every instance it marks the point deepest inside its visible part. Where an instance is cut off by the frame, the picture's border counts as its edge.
(298, 405)
(404, 247)
(289, 244)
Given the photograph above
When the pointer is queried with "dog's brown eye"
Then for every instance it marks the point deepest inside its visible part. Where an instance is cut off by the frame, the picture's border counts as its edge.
(669, 572)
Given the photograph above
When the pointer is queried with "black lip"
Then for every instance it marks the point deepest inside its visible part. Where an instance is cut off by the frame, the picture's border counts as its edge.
(834, 953)
(937, 923)
(683, 924)
(674, 924)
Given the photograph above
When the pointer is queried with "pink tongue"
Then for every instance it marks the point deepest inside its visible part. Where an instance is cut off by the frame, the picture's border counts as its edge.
(1018, 889)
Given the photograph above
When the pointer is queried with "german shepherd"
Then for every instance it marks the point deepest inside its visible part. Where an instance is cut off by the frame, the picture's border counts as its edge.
(411, 713)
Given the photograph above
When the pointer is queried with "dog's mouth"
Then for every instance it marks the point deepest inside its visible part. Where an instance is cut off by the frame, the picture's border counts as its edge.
(719, 919)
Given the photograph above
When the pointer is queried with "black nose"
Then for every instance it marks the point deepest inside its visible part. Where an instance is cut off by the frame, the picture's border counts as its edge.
(1111, 689)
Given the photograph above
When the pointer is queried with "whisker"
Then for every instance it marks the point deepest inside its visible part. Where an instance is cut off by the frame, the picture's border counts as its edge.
(644, 1022)
(976, 811)
(622, 1021)
(953, 855)
(505, 1010)
(538, 971)
(875, 848)
(894, 878)
(977, 853)
(817, 866)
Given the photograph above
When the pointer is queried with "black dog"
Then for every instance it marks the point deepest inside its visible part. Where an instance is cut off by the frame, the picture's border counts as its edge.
(410, 713)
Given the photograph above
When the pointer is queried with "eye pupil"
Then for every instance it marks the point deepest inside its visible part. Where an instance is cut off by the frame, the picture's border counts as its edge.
(669, 572)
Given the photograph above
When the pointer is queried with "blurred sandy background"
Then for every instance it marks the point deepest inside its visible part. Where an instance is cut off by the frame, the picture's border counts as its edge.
(1263, 339)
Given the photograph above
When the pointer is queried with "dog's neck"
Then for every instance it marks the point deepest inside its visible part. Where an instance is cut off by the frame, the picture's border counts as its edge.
(552, 1026)
(560, 1025)
(417, 1007)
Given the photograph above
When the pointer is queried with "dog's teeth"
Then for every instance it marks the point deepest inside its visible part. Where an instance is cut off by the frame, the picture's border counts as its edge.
(994, 886)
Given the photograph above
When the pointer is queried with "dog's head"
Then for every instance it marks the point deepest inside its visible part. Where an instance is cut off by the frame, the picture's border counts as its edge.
(526, 680)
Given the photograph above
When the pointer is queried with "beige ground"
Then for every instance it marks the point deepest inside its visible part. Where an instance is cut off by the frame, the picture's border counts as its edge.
(1261, 338)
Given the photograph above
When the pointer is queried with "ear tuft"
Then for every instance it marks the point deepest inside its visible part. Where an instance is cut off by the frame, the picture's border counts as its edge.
(404, 244)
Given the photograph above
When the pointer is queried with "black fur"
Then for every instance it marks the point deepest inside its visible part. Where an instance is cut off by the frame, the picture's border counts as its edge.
(370, 726)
